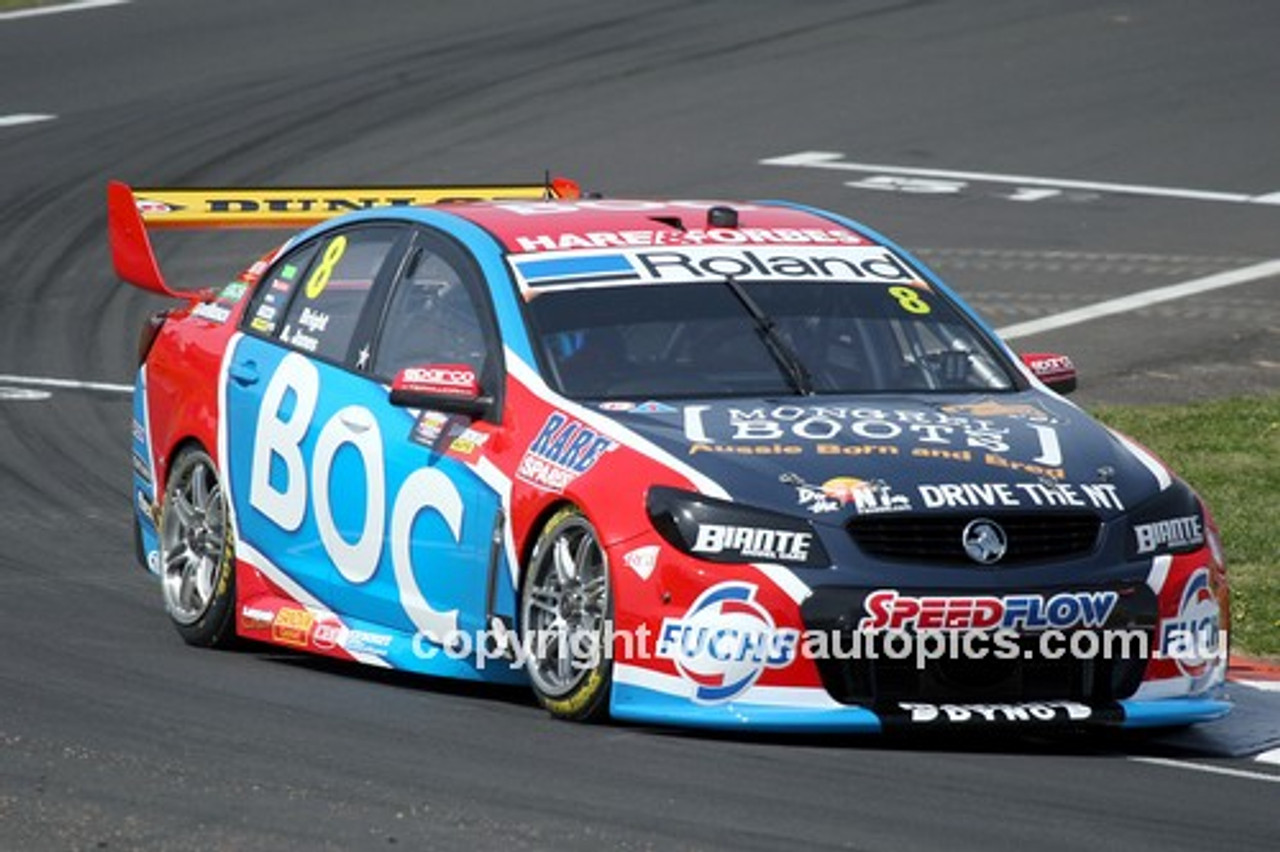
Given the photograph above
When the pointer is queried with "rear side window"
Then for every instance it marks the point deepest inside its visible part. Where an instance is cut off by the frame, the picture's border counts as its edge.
(325, 285)
(274, 294)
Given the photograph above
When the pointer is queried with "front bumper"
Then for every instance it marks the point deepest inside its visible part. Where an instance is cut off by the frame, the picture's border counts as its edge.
(639, 697)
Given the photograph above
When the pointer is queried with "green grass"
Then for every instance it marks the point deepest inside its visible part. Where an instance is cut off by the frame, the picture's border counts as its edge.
(1229, 450)
(10, 5)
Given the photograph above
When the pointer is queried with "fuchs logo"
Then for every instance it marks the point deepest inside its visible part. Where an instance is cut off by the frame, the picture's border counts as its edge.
(1192, 638)
(725, 641)
(563, 450)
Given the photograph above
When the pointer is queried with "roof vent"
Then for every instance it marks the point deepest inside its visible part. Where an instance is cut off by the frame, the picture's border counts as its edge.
(722, 217)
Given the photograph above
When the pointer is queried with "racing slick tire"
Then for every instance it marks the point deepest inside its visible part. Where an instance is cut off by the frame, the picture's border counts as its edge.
(197, 555)
(565, 609)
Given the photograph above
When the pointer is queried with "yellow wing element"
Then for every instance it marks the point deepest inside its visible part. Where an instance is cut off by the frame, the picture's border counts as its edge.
(131, 212)
(298, 207)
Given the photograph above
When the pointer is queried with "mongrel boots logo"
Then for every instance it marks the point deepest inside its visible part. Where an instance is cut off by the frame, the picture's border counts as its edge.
(725, 642)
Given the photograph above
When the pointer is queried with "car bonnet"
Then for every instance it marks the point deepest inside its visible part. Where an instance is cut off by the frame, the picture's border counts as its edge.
(835, 457)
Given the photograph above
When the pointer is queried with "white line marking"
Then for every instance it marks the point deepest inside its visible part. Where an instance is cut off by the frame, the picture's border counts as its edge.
(24, 118)
(1264, 685)
(1204, 767)
(65, 383)
(832, 160)
(1144, 299)
(1272, 756)
(22, 395)
(75, 6)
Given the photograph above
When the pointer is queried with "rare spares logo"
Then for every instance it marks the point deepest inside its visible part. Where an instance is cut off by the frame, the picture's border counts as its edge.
(725, 641)
(563, 450)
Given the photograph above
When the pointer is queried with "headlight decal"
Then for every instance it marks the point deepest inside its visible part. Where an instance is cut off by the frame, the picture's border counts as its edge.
(720, 531)
(1171, 522)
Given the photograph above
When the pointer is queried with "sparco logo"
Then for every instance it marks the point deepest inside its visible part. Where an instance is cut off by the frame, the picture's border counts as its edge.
(441, 376)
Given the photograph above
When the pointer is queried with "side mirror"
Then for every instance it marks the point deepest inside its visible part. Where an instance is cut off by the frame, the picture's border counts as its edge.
(1056, 371)
(451, 388)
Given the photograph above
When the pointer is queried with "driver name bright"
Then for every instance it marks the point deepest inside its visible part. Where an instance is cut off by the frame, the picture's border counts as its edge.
(762, 263)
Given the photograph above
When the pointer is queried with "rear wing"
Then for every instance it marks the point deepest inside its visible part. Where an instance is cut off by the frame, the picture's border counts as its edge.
(131, 212)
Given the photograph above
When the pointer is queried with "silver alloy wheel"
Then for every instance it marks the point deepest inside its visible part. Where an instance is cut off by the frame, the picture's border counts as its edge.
(565, 605)
(193, 537)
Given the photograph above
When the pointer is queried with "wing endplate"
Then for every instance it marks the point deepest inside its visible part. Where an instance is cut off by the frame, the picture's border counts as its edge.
(131, 252)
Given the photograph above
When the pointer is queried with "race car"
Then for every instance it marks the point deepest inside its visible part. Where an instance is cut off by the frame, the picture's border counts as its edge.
(743, 465)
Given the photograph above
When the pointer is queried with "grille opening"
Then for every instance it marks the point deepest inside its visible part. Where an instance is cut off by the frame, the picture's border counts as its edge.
(1032, 537)
(873, 678)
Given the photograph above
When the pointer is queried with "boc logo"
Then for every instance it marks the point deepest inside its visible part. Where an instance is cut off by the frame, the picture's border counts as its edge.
(725, 641)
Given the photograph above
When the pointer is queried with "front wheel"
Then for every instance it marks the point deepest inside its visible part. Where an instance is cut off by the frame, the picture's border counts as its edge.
(565, 607)
(196, 552)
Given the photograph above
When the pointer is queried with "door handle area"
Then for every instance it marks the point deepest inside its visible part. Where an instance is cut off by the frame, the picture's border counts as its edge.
(356, 419)
(244, 373)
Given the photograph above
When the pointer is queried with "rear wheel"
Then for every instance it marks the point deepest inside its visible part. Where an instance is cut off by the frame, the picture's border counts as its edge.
(565, 607)
(197, 556)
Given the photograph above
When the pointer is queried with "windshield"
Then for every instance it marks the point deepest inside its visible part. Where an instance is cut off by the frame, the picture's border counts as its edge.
(699, 339)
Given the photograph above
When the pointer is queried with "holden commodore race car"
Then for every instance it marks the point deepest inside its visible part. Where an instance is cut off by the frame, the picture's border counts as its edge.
(746, 465)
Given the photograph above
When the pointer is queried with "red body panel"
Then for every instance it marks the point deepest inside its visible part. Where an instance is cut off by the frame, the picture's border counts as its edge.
(607, 223)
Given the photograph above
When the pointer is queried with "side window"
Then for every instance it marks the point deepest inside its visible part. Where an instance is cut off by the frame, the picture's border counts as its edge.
(435, 316)
(325, 286)
(272, 297)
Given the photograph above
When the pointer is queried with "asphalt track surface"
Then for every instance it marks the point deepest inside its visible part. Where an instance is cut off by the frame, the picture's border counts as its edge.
(113, 734)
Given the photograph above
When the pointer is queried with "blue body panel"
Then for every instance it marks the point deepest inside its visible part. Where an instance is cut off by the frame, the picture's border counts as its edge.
(144, 495)
(323, 513)
(636, 704)
(1166, 712)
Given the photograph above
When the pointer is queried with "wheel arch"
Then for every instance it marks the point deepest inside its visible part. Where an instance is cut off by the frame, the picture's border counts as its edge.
(537, 526)
(175, 449)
